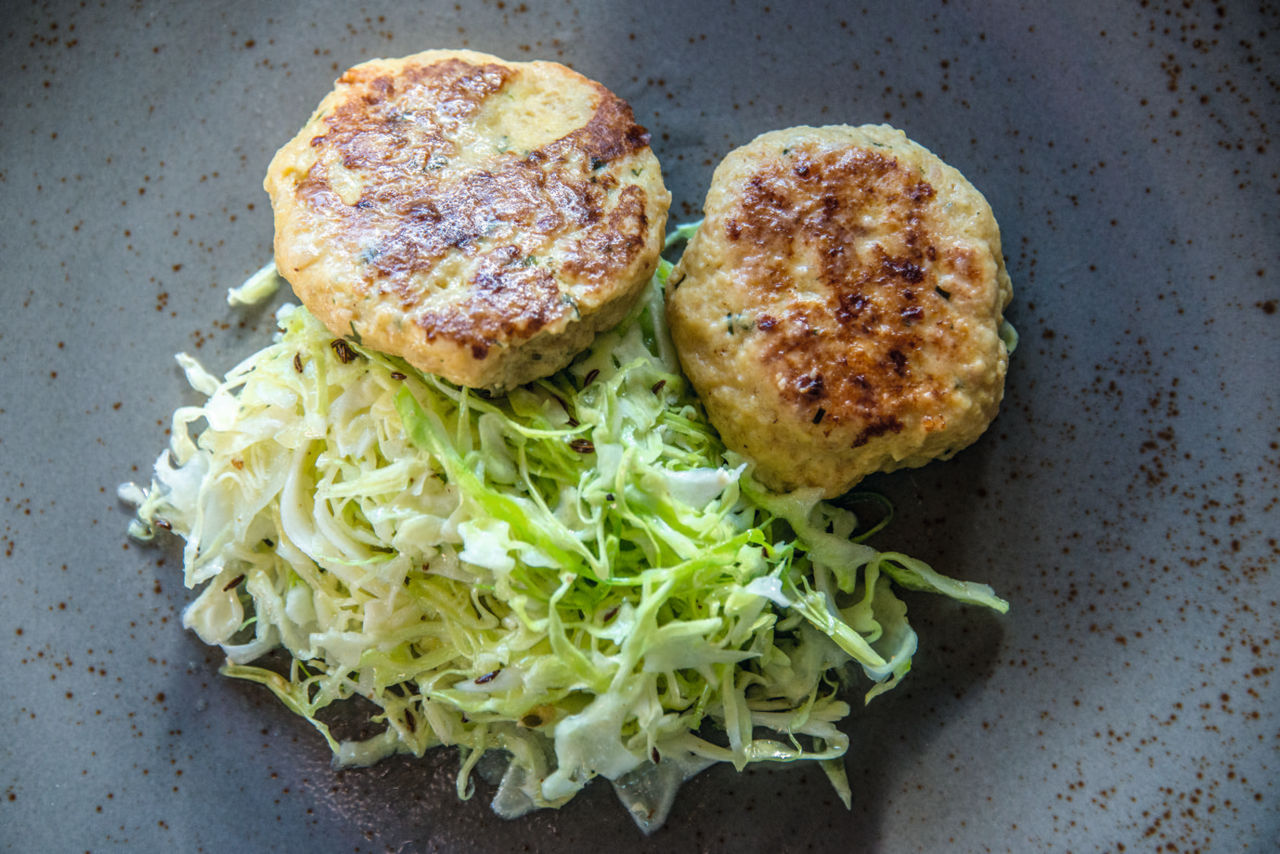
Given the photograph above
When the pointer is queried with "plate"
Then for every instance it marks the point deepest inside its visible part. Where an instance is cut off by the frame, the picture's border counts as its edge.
(1125, 501)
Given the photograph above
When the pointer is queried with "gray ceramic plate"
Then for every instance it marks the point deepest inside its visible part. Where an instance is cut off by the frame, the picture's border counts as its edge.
(1125, 501)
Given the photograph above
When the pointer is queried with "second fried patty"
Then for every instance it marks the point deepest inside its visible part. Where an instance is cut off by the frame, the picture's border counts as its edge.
(839, 309)
(482, 219)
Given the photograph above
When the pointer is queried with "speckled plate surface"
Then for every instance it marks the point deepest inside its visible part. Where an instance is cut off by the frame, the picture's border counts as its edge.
(1125, 501)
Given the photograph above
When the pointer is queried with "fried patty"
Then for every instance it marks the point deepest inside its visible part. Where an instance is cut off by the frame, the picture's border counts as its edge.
(483, 219)
(839, 309)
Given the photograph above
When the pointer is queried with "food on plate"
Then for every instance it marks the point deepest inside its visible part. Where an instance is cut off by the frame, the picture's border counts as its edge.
(840, 309)
(482, 219)
(568, 580)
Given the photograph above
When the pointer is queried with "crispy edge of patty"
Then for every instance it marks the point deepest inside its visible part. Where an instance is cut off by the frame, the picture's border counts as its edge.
(862, 361)
(364, 266)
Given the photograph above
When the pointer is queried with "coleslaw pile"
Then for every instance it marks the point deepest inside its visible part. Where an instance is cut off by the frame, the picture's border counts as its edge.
(576, 576)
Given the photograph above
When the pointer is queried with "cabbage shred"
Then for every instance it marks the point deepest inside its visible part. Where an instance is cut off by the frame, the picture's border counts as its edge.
(576, 576)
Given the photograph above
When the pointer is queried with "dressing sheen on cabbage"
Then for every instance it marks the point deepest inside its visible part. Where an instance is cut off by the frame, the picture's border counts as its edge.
(576, 577)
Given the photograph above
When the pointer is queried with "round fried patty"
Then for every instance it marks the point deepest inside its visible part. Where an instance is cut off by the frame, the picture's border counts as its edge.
(839, 309)
(482, 219)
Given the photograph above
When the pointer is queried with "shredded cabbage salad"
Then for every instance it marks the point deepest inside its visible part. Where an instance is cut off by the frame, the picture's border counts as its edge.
(577, 576)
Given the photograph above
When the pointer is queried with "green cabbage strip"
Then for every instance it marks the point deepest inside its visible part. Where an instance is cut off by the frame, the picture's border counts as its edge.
(576, 575)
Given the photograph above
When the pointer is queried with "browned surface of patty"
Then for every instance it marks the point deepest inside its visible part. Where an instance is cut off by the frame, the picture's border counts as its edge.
(838, 311)
(456, 247)
(814, 207)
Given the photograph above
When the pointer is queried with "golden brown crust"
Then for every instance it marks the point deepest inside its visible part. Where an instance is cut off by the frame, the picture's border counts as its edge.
(814, 203)
(838, 310)
(434, 206)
